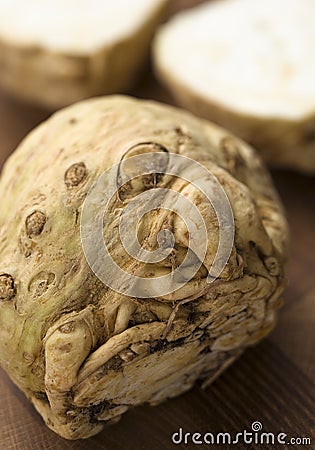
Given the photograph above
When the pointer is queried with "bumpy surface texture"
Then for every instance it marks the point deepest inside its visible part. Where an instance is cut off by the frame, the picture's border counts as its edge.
(84, 354)
(56, 53)
(247, 65)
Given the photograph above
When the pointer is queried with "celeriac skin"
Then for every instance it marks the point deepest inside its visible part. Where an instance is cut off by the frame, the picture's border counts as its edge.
(84, 354)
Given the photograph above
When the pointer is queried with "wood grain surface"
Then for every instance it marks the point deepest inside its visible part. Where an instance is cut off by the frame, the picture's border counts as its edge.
(272, 383)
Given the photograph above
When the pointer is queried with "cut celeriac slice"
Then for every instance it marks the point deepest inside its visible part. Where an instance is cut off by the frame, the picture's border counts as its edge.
(54, 53)
(248, 65)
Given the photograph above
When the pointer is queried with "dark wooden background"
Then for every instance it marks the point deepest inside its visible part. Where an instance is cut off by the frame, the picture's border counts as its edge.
(272, 383)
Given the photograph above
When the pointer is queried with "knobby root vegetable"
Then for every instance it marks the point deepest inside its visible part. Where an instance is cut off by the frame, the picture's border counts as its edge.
(83, 353)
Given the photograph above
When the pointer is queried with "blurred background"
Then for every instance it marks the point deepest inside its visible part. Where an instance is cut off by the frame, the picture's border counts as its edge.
(272, 382)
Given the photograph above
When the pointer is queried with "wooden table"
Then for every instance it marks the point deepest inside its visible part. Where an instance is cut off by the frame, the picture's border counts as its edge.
(272, 383)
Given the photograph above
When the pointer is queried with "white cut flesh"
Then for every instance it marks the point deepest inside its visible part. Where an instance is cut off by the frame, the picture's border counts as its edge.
(77, 26)
(55, 53)
(249, 66)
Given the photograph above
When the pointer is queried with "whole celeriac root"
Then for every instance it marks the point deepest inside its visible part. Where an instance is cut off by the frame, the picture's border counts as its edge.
(83, 353)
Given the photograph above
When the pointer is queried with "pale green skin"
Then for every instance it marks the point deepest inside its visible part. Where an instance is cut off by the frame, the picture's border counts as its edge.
(42, 358)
